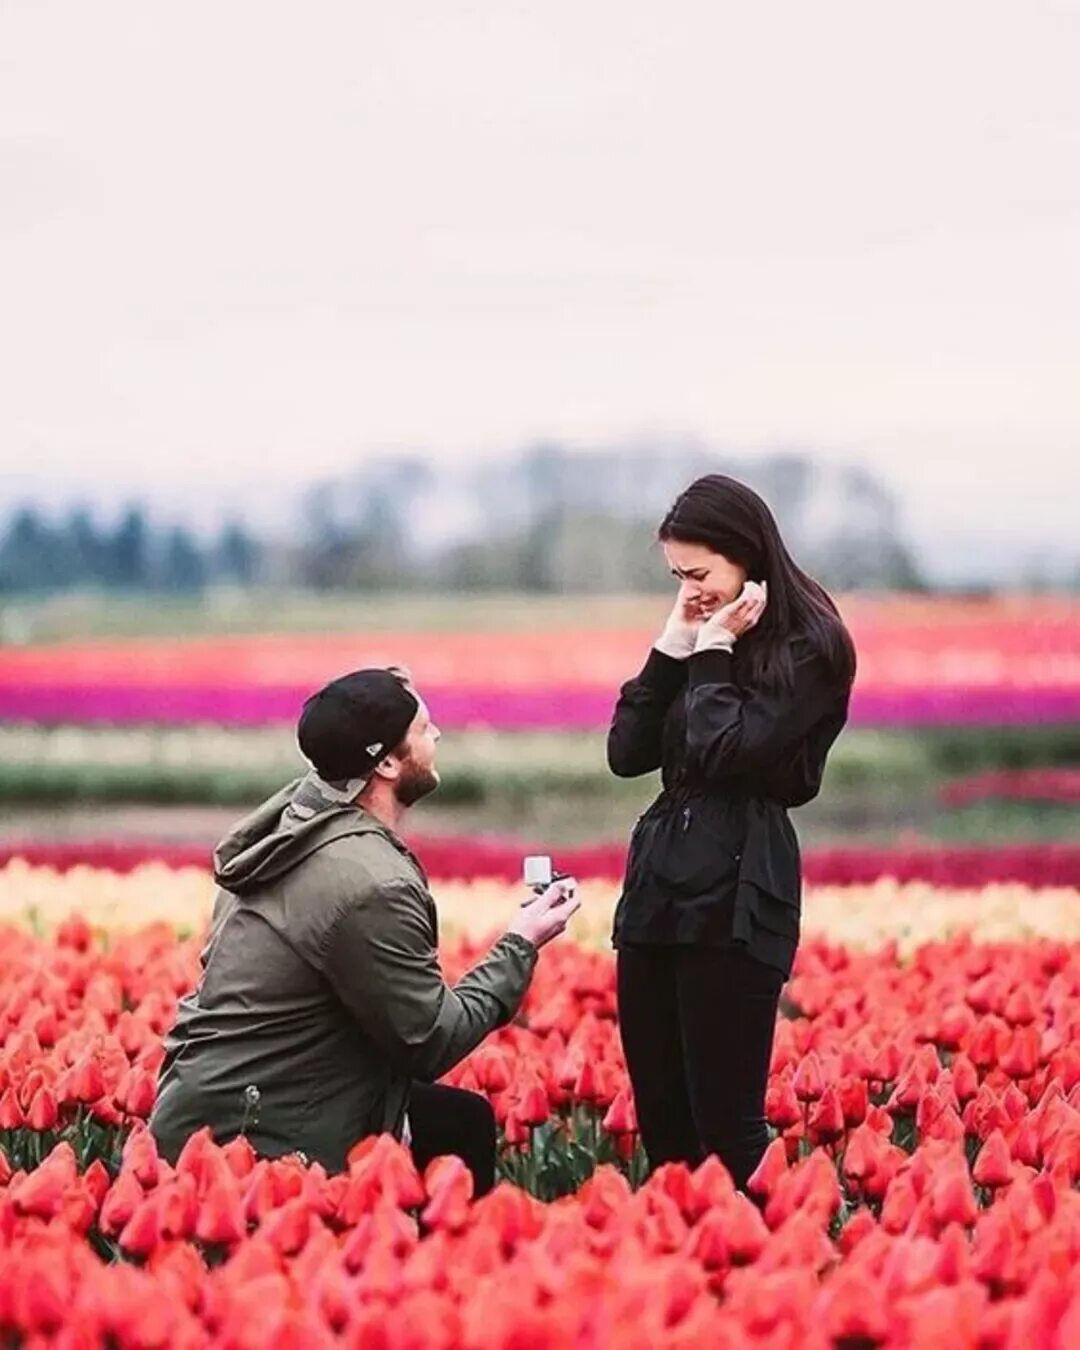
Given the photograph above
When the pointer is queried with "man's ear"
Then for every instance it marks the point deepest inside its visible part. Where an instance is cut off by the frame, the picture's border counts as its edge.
(388, 768)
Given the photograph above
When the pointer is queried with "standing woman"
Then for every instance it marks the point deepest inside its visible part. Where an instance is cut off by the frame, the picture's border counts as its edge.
(738, 703)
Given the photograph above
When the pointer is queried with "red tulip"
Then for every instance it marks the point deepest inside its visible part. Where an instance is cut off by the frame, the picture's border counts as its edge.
(585, 1084)
(140, 1157)
(665, 1229)
(124, 1198)
(1021, 1056)
(41, 1193)
(533, 1106)
(860, 1154)
(825, 1123)
(220, 1219)
(844, 1314)
(854, 1100)
(449, 1183)
(44, 1112)
(136, 1096)
(11, 1116)
(899, 1203)
(177, 1207)
(141, 1235)
(952, 1198)
(983, 1046)
(621, 1118)
(708, 1242)
(861, 1226)
(954, 1025)
(240, 1156)
(886, 1063)
(809, 1081)
(41, 1298)
(994, 1165)
(604, 1195)
(288, 1228)
(515, 1132)
(746, 1230)
(1020, 1007)
(985, 1113)
(97, 1181)
(86, 1083)
(996, 1253)
(380, 1166)
(493, 1070)
(782, 1109)
(965, 1078)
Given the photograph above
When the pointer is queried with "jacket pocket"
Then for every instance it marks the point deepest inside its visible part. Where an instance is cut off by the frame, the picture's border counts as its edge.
(690, 855)
(776, 913)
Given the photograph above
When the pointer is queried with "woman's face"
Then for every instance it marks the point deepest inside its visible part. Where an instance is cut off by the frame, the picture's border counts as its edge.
(711, 579)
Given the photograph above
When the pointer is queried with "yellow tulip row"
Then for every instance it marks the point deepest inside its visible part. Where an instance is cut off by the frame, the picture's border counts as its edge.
(859, 916)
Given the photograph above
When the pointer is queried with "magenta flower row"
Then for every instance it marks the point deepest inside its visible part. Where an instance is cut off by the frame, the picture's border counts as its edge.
(571, 709)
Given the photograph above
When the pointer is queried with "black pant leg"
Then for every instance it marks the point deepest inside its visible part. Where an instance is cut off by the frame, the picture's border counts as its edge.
(651, 1035)
(451, 1120)
(727, 1005)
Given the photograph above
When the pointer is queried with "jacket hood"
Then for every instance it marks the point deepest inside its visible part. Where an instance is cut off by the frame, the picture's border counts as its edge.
(287, 828)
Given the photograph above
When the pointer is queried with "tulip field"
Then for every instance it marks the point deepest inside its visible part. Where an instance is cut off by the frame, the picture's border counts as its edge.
(922, 1183)
(921, 663)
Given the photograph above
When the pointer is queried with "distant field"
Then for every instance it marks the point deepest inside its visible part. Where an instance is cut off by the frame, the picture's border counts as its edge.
(880, 786)
(90, 614)
(920, 716)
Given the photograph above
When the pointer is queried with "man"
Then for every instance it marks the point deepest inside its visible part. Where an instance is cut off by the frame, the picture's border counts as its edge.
(321, 1015)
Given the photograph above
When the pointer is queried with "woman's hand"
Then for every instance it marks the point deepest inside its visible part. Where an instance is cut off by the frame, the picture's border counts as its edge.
(682, 627)
(731, 621)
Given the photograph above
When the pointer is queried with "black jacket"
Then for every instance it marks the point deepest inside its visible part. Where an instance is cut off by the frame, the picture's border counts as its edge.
(715, 859)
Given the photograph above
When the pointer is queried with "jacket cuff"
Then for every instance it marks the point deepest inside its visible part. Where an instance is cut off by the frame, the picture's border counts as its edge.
(711, 666)
(662, 672)
(521, 944)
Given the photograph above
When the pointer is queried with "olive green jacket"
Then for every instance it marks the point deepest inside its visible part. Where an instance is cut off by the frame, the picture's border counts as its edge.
(321, 995)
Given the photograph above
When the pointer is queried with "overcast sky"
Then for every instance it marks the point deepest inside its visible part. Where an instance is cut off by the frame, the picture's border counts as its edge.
(242, 244)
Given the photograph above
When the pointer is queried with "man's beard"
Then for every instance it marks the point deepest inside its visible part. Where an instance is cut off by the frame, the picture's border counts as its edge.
(415, 782)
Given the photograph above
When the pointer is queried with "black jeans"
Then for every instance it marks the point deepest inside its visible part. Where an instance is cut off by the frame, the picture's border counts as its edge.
(451, 1120)
(697, 1026)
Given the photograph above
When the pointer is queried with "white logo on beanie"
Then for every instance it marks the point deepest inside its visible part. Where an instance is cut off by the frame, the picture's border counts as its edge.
(374, 749)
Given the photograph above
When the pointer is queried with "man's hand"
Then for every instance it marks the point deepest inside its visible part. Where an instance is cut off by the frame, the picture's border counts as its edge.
(546, 915)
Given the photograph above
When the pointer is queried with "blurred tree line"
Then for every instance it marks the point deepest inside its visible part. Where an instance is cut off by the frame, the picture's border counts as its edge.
(550, 519)
(38, 555)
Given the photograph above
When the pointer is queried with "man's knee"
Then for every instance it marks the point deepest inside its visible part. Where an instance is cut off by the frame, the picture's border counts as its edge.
(477, 1117)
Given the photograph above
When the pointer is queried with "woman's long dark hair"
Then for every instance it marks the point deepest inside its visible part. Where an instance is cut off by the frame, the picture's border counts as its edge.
(728, 517)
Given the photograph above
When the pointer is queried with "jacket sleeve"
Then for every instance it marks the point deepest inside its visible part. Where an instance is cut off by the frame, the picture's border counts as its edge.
(734, 731)
(636, 735)
(382, 962)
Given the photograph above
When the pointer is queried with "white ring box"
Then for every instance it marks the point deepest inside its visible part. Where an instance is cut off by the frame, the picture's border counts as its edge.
(537, 870)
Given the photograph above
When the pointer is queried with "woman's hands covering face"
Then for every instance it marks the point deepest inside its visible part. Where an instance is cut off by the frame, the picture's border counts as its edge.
(741, 614)
(682, 627)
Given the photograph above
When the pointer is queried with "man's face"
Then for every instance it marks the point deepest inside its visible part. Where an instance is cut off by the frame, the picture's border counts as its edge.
(418, 776)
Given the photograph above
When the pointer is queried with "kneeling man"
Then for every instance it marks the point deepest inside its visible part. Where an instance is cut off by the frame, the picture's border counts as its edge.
(321, 1015)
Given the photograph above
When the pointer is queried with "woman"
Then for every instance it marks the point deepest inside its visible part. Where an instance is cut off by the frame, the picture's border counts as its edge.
(738, 703)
